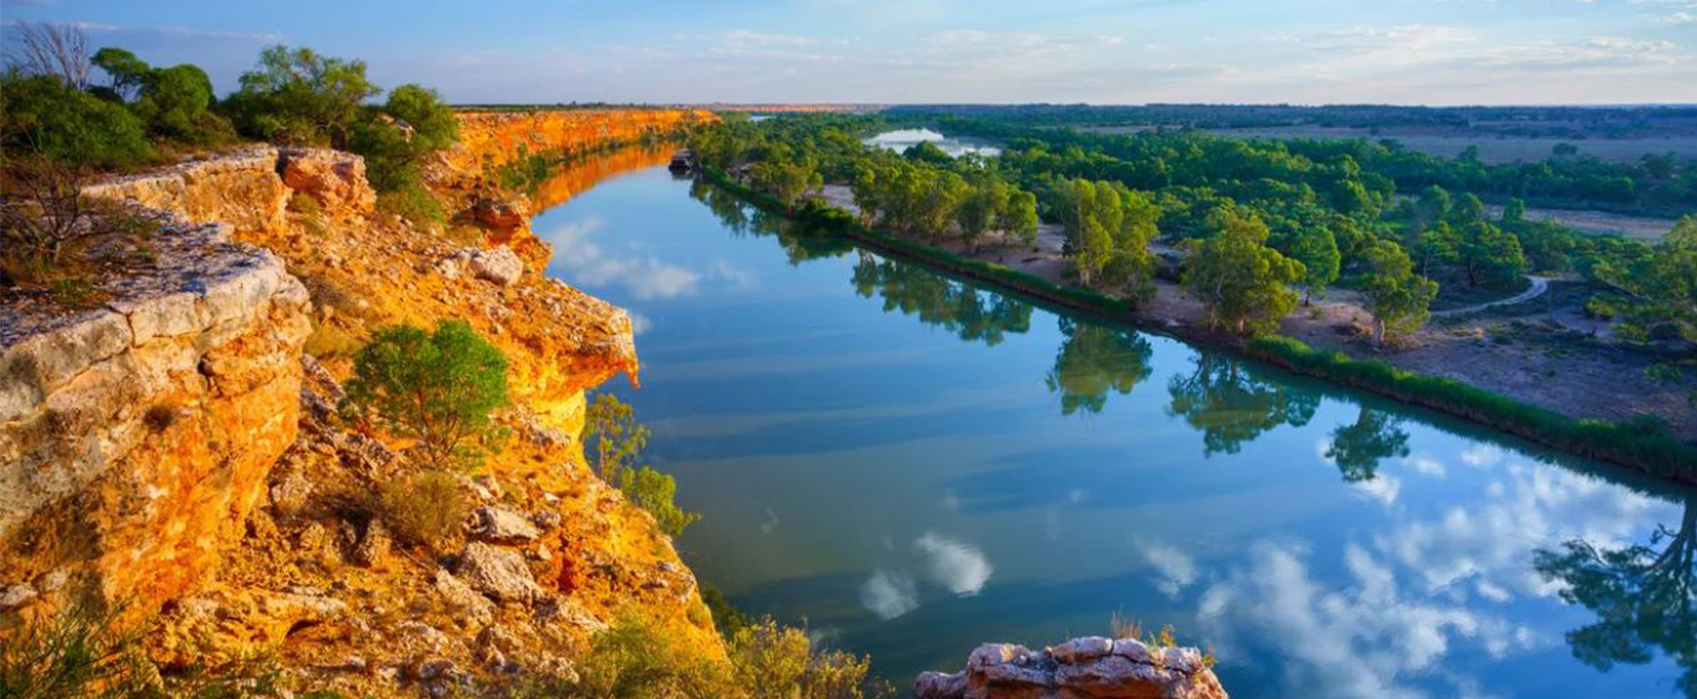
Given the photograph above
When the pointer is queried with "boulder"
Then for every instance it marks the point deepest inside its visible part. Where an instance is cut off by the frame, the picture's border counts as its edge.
(336, 179)
(499, 573)
(499, 265)
(501, 214)
(503, 526)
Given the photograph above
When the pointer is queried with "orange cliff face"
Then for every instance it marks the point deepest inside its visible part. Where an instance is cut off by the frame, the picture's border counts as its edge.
(282, 556)
(490, 139)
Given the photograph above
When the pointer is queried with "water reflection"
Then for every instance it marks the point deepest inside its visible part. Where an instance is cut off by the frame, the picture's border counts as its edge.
(1093, 360)
(934, 492)
(1230, 403)
(1644, 597)
(970, 314)
(1358, 447)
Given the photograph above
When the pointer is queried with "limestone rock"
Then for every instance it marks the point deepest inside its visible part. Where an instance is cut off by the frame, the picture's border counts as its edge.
(374, 544)
(1082, 649)
(499, 573)
(462, 598)
(14, 596)
(1083, 668)
(503, 526)
(335, 179)
(210, 336)
(504, 214)
(499, 265)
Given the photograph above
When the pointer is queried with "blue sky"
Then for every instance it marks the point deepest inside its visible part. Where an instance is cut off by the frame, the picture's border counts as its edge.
(1100, 51)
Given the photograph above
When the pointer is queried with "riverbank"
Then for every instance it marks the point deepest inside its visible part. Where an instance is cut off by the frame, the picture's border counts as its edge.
(1310, 345)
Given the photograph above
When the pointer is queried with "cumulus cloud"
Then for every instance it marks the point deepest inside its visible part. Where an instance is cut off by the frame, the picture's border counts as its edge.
(1174, 569)
(586, 263)
(957, 566)
(888, 595)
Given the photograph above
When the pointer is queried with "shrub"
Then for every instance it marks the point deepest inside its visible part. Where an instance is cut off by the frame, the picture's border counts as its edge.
(42, 115)
(299, 97)
(1600, 308)
(654, 491)
(637, 657)
(774, 662)
(613, 436)
(616, 439)
(726, 617)
(81, 654)
(422, 508)
(47, 227)
(437, 388)
(414, 205)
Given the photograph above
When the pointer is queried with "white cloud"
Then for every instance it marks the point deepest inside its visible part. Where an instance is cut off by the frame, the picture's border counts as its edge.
(888, 595)
(957, 566)
(585, 263)
(1175, 569)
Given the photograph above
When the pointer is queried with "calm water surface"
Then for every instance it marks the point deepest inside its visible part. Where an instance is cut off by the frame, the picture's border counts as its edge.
(913, 466)
(901, 139)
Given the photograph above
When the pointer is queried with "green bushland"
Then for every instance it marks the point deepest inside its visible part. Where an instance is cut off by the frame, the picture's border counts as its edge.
(1644, 442)
(435, 387)
(820, 219)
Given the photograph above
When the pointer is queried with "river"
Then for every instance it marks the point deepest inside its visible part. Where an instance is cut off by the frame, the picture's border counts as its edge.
(912, 465)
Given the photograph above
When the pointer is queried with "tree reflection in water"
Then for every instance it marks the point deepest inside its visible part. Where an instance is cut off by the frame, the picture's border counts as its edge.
(1230, 405)
(741, 219)
(1094, 360)
(1644, 596)
(1358, 447)
(973, 315)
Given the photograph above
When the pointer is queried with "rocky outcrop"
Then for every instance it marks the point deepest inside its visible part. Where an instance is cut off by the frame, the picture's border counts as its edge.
(136, 436)
(240, 188)
(334, 178)
(1083, 668)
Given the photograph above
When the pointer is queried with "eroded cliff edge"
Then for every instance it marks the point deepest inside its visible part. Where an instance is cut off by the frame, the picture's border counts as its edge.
(174, 450)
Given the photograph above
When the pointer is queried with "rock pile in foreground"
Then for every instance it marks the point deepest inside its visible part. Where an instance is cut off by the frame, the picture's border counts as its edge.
(1083, 668)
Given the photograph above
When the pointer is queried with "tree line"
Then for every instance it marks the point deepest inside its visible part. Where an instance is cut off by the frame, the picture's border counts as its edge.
(111, 110)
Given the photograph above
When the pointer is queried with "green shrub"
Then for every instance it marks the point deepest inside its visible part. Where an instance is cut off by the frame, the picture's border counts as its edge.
(769, 661)
(81, 654)
(422, 508)
(639, 658)
(654, 491)
(41, 115)
(615, 439)
(726, 617)
(1600, 308)
(437, 388)
(413, 204)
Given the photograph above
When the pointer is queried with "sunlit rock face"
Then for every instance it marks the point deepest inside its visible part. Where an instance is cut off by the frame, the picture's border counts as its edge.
(489, 139)
(1082, 668)
(240, 188)
(136, 436)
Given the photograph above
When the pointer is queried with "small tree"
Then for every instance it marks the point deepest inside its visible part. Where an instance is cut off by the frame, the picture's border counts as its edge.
(616, 439)
(434, 387)
(1241, 281)
(1317, 250)
(1397, 297)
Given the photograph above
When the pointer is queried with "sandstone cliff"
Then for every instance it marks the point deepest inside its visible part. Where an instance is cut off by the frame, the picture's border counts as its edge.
(177, 449)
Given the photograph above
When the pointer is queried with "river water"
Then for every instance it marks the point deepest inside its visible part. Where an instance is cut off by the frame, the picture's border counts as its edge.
(912, 465)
